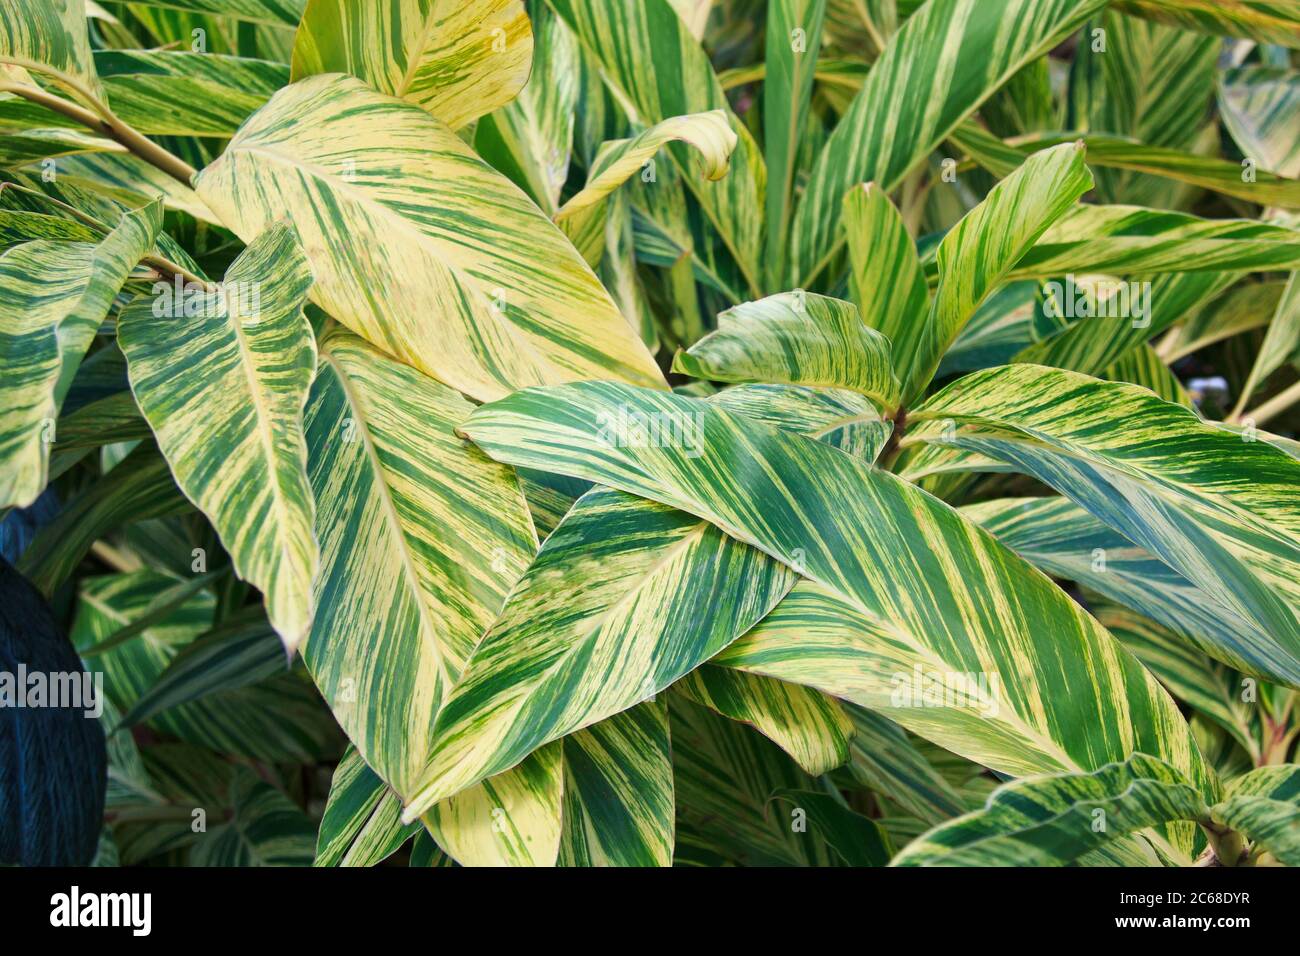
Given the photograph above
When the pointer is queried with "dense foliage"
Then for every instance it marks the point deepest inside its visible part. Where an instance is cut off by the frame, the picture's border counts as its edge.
(648, 432)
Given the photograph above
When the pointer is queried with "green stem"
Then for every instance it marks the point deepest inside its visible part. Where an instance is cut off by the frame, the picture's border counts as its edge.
(107, 124)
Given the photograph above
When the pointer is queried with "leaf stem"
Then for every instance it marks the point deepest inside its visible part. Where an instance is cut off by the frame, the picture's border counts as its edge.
(106, 123)
(1271, 408)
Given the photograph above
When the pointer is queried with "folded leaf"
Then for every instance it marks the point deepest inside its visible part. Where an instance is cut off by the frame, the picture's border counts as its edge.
(1052, 821)
(222, 376)
(795, 338)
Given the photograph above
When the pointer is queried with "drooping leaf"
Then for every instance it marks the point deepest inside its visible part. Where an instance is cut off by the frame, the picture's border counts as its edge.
(55, 296)
(1211, 506)
(266, 829)
(1265, 806)
(51, 36)
(407, 207)
(222, 376)
(855, 839)
(361, 825)
(420, 536)
(884, 759)
(1263, 20)
(1258, 105)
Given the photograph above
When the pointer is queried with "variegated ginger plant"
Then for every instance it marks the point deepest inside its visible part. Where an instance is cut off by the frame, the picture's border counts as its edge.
(648, 432)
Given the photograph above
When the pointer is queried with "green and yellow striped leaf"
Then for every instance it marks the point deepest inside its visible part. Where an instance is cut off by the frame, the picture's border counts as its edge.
(795, 338)
(884, 759)
(937, 69)
(457, 59)
(978, 253)
(222, 376)
(794, 36)
(1281, 342)
(1130, 240)
(385, 197)
(1265, 806)
(265, 829)
(1258, 105)
(725, 774)
(530, 138)
(657, 70)
(1268, 21)
(618, 791)
(607, 615)
(138, 488)
(53, 298)
(277, 719)
(361, 825)
(1246, 306)
(51, 38)
(180, 93)
(283, 13)
(709, 133)
(1067, 542)
(811, 727)
(900, 584)
(1215, 508)
(1054, 820)
(420, 536)
(512, 819)
(886, 282)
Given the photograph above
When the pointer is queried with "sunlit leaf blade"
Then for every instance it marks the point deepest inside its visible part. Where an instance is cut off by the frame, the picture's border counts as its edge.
(1217, 509)
(1281, 343)
(795, 338)
(709, 133)
(900, 582)
(222, 377)
(609, 613)
(530, 138)
(512, 819)
(979, 252)
(285, 13)
(811, 727)
(420, 538)
(947, 59)
(658, 70)
(53, 298)
(1054, 820)
(1130, 240)
(385, 197)
(618, 791)
(457, 59)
